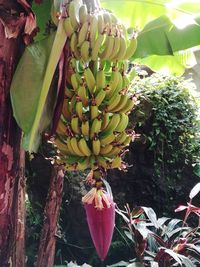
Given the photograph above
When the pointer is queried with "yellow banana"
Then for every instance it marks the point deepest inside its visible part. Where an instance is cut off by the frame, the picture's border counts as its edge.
(94, 112)
(75, 125)
(70, 148)
(114, 81)
(61, 146)
(72, 104)
(127, 140)
(90, 80)
(114, 121)
(61, 127)
(114, 152)
(83, 146)
(109, 44)
(83, 164)
(73, 45)
(85, 128)
(95, 127)
(107, 139)
(121, 138)
(122, 50)
(85, 51)
(100, 80)
(83, 14)
(102, 162)
(96, 145)
(106, 149)
(79, 109)
(97, 46)
(82, 93)
(131, 48)
(69, 92)
(75, 81)
(122, 103)
(105, 120)
(68, 27)
(82, 35)
(65, 110)
(129, 106)
(123, 123)
(100, 97)
(116, 163)
(75, 147)
(93, 30)
(114, 101)
(73, 12)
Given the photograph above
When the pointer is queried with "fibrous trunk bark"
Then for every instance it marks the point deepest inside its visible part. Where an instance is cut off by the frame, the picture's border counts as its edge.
(11, 162)
(51, 215)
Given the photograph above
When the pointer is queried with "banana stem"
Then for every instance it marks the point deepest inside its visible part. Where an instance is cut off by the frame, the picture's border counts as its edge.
(56, 51)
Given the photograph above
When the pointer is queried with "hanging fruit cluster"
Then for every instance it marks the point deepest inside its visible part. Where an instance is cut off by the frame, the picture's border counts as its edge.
(92, 129)
(91, 132)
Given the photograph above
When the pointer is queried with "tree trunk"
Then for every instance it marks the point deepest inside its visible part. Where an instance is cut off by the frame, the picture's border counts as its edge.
(51, 215)
(13, 34)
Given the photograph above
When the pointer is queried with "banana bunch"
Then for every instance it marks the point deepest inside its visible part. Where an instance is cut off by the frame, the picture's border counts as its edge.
(92, 129)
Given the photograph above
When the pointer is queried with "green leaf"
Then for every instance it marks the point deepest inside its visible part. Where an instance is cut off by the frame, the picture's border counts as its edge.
(27, 82)
(195, 190)
(42, 13)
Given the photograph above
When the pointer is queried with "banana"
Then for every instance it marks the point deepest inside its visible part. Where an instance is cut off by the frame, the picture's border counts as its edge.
(127, 140)
(85, 128)
(75, 147)
(102, 162)
(131, 49)
(61, 146)
(85, 51)
(55, 12)
(109, 44)
(123, 123)
(116, 163)
(79, 109)
(71, 151)
(107, 20)
(65, 110)
(122, 103)
(83, 13)
(100, 97)
(69, 92)
(105, 120)
(71, 167)
(94, 112)
(114, 81)
(121, 138)
(73, 13)
(61, 127)
(129, 106)
(100, 80)
(107, 139)
(75, 125)
(83, 164)
(72, 104)
(95, 127)
(126, 82)
(73, 45)
(75, 81)
(67, 24)
(122, 50)
(82, 93)
(114, 121)
(106, 149)
(90, 80)
(93, 30)
(101, 24)
(114, 152)
(83, 146)
(96, 145)
(116, 47)
(97, 46)
(82, 35)
(113, 102)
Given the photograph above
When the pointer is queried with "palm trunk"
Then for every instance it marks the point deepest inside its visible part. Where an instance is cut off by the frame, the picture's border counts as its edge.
(51, 215)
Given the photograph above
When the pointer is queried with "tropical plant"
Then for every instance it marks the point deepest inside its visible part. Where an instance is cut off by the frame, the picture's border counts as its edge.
(164, 241)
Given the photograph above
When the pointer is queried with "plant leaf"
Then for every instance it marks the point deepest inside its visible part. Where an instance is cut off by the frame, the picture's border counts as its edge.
(27, 82)
(174, 255)
(195, 190)
(152, 216)
(120, 263)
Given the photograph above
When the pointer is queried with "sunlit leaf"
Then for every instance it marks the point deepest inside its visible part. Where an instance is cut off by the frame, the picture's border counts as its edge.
(195, 190)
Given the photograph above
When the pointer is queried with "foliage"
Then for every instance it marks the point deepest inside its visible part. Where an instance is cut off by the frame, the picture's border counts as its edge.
(167, 120)
(163, 241)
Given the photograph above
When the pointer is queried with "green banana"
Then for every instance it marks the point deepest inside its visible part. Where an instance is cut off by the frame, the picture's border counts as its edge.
(75, 147)
(93, 30)
(116, 163)
(85, 128)
(100, 97)
(96, 145)
(75, 125)
(122, 103)
(95, 127)
(82, 93)
(83, 14)
(67, 24)
(79, 109)
(109, 44)
(106, 149)
(131, 48)
(73, 45)
(83, 32)
(107, 139)
(105, 120)
(100, 80)
(94, 112)
(65, 110)
(90, 80)
(97, 46)
(113, 102)
(85, 51)
(101, 24)
(129, 106)
(73, 12)
(123, 123)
